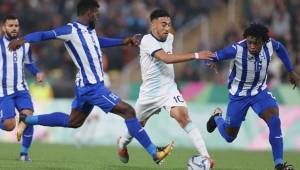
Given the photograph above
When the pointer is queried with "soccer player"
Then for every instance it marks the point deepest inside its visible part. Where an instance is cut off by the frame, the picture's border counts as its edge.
(250, 59)
(84, 47)
(158, 89)
(14, 92)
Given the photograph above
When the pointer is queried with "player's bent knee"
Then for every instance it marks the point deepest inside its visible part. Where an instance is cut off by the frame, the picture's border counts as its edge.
(129, 112)
(230, 139)
(74, 125)
(9, 126)
(231, 134)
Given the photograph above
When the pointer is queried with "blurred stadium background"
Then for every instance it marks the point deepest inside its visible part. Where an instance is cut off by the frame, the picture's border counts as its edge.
(197, 25)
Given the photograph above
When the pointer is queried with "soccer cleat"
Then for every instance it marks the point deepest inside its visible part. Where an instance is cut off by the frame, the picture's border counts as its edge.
(212, 163)
(211, 123)
(163, 152)
(24, 157)
(284, 166)
(21, 126)
(123, 152)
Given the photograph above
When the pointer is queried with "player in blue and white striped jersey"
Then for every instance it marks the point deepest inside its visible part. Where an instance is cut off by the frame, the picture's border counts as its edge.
(250, 59)
(13, 88)
(84, 47)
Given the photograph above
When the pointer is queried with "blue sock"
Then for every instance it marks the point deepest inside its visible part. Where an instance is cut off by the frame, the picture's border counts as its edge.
(27, 139)
(222, 129)
(275, 139)
(137, 131)
(55, 119)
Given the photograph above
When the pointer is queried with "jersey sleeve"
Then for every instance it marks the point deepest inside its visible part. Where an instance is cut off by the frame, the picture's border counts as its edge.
(282, 54)
(28, 54)
(150, 45)
(109, 42)
(28, 61)
(226, 53)
(63, 33)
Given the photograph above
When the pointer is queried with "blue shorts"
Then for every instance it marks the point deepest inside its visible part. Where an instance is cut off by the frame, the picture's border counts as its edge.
(238, 106)
(94, 95)
(19, 100)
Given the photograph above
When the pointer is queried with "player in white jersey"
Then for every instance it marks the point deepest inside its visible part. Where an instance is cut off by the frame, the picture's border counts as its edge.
(250, 59)
(14, 92)
(158, 89)
(84, 47)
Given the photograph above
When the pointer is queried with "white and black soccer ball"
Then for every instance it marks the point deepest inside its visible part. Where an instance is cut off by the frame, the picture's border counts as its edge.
(198, 162)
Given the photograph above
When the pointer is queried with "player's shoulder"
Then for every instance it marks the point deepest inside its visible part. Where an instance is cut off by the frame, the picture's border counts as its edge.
(27, 46)
(241, 43)
(170, 36)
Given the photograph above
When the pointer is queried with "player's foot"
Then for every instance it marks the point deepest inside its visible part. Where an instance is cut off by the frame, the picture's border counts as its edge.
(212, 163)
(21, 126)
(122, 152)
(163, 152)
(24, 157)
(284, 166)
(211, 123)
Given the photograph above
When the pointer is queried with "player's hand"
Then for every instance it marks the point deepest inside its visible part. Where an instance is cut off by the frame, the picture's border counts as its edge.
(206, 55)
(39, 77)
(15, 44)
(133, 40)
(294, 79)
(212, 65)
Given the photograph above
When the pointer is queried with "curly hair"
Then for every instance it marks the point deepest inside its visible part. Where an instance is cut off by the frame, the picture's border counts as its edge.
(257, 30)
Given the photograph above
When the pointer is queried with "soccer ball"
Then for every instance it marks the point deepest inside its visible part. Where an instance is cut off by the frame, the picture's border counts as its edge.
(198, 162)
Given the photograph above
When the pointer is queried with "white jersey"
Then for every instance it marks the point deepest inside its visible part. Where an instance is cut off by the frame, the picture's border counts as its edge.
(157, 76)
(12, 67)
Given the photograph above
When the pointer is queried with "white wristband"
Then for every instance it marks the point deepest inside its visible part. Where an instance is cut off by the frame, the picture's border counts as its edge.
(196, 55)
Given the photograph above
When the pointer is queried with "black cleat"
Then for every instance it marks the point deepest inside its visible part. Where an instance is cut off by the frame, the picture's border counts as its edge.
(284, 166)
(211, 123)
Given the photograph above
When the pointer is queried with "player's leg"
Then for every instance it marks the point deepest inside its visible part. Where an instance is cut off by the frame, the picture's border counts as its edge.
(145, 111)
(236, 113)
(80, 110)
(180, 114)
(136, 130)
(7, 113)
(27, 136)
(265, 105)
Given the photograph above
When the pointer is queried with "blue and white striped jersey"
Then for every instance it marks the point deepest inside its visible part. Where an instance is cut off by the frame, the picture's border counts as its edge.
(83, 46)
(12, 67)
(248, 73)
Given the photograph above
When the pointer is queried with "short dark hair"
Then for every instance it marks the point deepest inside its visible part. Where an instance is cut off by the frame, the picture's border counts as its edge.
(9, 17)
(158, 13)
(257, 30)
(84, 5)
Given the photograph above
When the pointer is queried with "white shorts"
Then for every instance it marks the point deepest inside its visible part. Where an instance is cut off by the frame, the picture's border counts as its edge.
(145, 107)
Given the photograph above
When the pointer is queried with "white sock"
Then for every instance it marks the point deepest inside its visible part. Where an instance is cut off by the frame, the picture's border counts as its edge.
(125, 140)
(197, 139)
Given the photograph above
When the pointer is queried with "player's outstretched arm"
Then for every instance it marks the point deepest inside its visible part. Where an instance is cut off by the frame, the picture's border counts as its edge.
(31, 38)
(284, 57)
(112, 42)
(61, 33)
(294, 79)
(178, 58)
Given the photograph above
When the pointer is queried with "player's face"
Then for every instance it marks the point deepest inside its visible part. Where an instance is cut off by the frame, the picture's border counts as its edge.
(93, 15)
(11, 28)
(254, 44)
(161, 27)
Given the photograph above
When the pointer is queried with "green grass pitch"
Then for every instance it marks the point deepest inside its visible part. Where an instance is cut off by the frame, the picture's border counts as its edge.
(68, 157)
